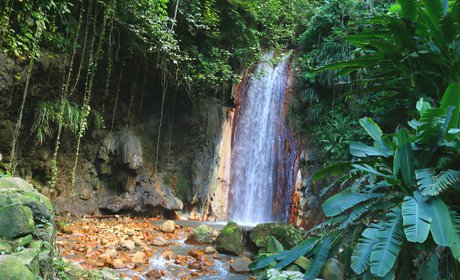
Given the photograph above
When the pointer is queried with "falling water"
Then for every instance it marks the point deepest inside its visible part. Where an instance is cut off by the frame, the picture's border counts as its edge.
(258, 173)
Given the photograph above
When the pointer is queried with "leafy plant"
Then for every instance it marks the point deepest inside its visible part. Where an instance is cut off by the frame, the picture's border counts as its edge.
(399, 192)
(411, 53)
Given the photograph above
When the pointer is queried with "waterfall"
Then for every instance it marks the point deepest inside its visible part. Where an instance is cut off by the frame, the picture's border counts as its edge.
(263, 155)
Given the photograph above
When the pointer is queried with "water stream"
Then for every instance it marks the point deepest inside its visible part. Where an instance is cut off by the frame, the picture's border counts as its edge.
(260, 191)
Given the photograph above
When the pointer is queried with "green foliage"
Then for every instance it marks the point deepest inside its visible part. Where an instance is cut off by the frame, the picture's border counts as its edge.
(407, 56)
(399, 190)
(48, 116)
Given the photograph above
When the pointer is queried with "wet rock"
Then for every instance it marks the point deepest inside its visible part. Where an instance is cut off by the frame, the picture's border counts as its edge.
(200, 235)
(160, 242)
(168, 227)
(153, 274)
(194, 265)
(332, 270)
(139, 258)
(15, 220)
(210, 250)
(231, 240)
(195, 253)
(12, 267)
(240, 265)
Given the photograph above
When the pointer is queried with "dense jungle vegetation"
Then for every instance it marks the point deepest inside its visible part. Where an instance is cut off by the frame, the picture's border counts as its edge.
(377, 94)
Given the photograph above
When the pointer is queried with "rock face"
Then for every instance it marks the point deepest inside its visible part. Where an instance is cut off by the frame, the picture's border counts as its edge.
(231, 240)
(306, 210)
(27, 230)
(200, 235)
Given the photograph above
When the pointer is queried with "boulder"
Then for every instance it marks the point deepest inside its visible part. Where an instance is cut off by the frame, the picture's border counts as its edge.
(23, 241)
(168, 226)
(200, 235)
(332, 270)
(26, 225)
(231, 240)
(15, 183)
(240, 265)
(5, 248)
(288, 235)
(12, 268)
(15, 221)
(30, 258)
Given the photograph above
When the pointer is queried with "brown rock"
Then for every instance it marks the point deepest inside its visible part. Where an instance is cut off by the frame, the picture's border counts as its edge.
(240, 265)
(210, 250)
(160, 242)
(195, 253)
(118, 264)
(139, 258)
(128, 244)
(194, 265)
(168, 226)
(153, 274)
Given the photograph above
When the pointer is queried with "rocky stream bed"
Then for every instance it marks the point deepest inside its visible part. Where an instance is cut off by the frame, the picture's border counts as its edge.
(149, 249)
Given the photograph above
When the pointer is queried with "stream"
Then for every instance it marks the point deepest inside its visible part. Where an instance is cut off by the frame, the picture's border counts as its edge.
(138, 249)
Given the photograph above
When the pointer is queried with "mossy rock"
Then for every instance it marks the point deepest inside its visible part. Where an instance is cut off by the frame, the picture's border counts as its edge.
(288, 235)
(39, 204)
(200, 235)
(13, 268)
(15, 221)
(23, 241)
(15, 183)
(332, 270)
(30, 258)
(45, 233)
(5, 248)
(231, 240)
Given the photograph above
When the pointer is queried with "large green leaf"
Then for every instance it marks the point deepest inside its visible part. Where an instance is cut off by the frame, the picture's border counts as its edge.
(455, 247)
(434, 10)
(406, 156)
(362, 150)
(429, 268)
(344, 201)
(452, 98)
(286, 257)
(389, 240)
(334, 169)
(360, 258)
(296, 252)
(321, 256)
(416, 222)
(375, 132)
(441, 224)
(431, 184)
(409, 9)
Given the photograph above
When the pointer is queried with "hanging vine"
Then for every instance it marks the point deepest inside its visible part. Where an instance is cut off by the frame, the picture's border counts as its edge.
(34, 55)
(94, 57)
(64, 94)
